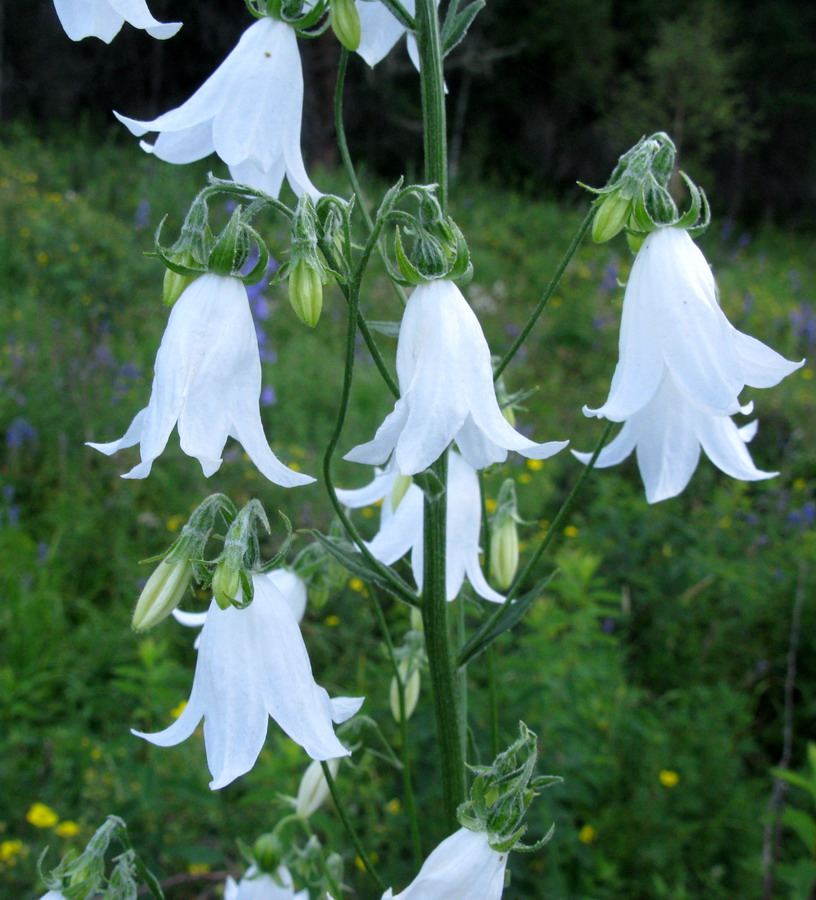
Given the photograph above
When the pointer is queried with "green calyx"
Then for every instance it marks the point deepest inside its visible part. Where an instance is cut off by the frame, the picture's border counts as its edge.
(502, 793)
(303, 17)
(197, 251)
(241, 557)
(438, 250)
(637, 200)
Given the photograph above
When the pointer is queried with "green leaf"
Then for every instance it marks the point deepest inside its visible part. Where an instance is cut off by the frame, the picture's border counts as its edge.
(354, 561)
(453, 33)
(507, 616)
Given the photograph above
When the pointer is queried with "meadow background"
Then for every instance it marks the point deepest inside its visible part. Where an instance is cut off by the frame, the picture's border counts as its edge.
(667, 669)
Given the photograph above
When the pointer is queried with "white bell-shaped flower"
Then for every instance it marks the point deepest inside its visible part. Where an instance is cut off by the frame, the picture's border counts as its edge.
(104, 18)
(447, 392)
(260, 886)
(252, 664)
(401, 526)
(667, 434)
(673, 324)
(248, 112)
(463, 867)
(208, 379)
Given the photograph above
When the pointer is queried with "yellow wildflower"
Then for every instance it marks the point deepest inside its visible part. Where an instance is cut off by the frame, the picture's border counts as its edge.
(587, 834)
(67, 828)
(668, 778)
(42, 816)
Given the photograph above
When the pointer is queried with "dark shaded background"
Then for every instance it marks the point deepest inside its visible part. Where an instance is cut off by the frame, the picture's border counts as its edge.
(541, 94)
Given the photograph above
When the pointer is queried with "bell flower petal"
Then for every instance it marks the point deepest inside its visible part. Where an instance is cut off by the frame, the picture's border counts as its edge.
(248, 112)
(261, 886)
(104, 19)
(463, 867)
(667, 435)
(672, 323)
(208, 380)
(252, 664)
(402, 529)
(380, 31)
(447, 393)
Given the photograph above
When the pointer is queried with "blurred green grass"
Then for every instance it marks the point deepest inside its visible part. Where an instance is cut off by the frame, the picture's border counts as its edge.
(660, 647)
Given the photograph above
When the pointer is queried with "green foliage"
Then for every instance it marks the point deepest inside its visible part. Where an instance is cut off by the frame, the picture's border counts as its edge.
(651, 666)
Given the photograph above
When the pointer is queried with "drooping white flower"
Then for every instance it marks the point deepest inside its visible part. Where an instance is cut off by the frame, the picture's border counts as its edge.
(667, 434)
(463, 867)
(401, 529)
(252, 664)
(672, 324)
(104, 19)
(248, 112)
(255, 886)
(208, 379)
(380, 30)
(447, 393)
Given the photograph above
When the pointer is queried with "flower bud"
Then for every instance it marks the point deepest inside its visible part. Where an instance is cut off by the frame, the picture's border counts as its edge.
(306, 292)
(345, 23)
(226, 584)
(610, 216)
(267, 852)
(162, 593)
(411, 683)
(504, 553)
(314, 789)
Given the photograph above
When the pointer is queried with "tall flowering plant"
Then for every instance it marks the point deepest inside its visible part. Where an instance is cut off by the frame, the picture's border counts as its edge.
(676, 388)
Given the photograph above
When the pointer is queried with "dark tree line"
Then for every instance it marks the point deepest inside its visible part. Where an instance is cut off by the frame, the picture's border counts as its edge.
(541, 94)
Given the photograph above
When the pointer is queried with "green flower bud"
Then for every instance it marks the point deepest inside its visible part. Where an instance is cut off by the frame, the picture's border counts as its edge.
(345, 23)
(162, 593)
(314, 789)
(306, 292)
(610, 216)
(412, 683)
(504, 553)
(225, 585)
(267, 852)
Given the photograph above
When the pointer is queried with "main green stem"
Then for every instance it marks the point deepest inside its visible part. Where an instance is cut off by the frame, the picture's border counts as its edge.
(450, 730)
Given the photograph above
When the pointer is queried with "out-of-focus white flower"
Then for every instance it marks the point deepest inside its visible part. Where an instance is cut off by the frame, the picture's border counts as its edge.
(379, 31)
(53, 895)
(248, 112)
(672, 325)
(447, 393)
(401, 529)
(252, 664)
(667, 435)
(104, 19)
(255, 886)
(208, 379)
(463, 867)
